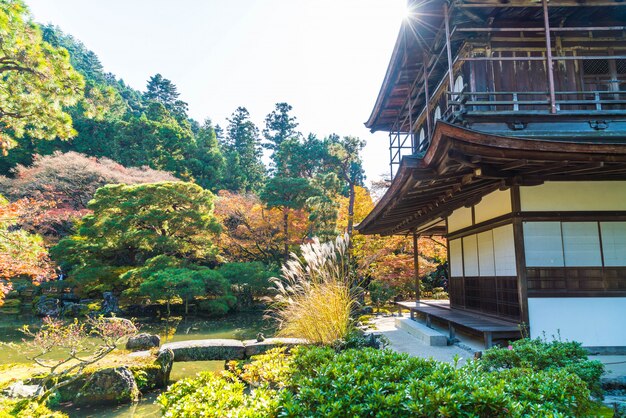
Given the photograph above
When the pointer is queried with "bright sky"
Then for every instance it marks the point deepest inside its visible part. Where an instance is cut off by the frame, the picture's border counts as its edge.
(327, 58)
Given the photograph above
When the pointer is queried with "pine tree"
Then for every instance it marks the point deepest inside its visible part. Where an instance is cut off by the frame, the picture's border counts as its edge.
(245, 171)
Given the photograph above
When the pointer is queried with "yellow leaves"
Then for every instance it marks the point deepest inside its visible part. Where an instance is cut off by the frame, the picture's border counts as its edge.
(253, 232)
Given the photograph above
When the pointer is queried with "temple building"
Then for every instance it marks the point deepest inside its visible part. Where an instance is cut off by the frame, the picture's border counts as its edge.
(507, 128)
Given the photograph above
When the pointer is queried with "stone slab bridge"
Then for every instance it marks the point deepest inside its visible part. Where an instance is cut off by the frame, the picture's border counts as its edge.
(225, 349)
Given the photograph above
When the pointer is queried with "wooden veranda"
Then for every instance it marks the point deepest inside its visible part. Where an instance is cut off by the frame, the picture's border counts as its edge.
(488, 327)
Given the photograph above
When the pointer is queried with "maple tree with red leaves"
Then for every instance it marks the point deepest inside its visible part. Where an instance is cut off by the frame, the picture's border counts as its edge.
(389, 259)
(253, 232)
(22, 253)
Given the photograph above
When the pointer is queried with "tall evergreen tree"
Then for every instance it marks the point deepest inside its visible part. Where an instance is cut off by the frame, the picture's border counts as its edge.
(346, 156)
(162, 90)
(241, 147)
(204, 159)
(280, 126)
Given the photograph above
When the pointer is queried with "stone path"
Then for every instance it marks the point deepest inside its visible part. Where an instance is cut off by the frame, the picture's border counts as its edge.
(404, 342)
(224, 349)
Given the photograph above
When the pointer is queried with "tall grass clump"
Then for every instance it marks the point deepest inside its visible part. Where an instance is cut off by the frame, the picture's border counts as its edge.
(314, 293)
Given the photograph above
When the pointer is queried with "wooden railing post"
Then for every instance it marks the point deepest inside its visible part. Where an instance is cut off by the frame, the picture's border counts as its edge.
(549, 60)
(416, 266)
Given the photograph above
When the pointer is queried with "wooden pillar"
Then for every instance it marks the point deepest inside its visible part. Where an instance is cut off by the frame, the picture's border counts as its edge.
(416, 266)
(520, 255)
(427, 95)
(446, 18)
(549, 61)
(410, 94)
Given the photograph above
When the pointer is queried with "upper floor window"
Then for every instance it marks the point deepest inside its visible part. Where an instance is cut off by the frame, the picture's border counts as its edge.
(604, 75)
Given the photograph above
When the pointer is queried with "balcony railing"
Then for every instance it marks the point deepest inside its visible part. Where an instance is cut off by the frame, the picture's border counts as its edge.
(535, 102)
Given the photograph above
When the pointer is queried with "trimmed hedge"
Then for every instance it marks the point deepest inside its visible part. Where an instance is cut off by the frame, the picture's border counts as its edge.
(318, 381)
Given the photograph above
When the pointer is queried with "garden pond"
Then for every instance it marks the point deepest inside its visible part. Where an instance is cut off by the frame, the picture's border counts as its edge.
(241, 326)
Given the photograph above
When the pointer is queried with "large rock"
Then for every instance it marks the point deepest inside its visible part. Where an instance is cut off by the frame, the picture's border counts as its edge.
(254, 347)
(110, 305)
(45, 306)
(113, 385)
(20, 390)
(199, 350)
(74, 310)
(143, 341)
(165, 361)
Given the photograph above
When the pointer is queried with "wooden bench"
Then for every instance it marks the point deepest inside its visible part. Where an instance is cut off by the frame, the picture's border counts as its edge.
(487, 326)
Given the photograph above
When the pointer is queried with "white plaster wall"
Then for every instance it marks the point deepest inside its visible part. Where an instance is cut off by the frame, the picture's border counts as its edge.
(493, 205)
(459, 219)
(595, 322)
(574, 196)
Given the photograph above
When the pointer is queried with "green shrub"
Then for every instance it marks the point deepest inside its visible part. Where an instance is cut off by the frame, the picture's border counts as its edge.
(317, 381)
(11, 303)
(381, 293)
(537, 354)
(212, 395)
(217, 307)
(358, 339)
(249, 281)
(26, 409)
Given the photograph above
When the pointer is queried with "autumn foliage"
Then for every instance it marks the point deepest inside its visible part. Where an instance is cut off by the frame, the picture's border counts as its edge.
(389, 259)
(71, 179)
(22, 254)
(253, 232)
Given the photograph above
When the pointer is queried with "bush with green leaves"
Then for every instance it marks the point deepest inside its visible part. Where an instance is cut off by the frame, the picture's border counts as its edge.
(219, 306)
(537, 354)
(381, 293)
(131, 226)
(25, 408)
(249, 281)
(316, 381)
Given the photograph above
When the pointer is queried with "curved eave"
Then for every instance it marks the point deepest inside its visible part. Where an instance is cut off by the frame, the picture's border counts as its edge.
(388, 84)
(462, 165)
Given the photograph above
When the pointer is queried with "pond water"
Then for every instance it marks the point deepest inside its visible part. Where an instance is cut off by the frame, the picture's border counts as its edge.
(241, 326)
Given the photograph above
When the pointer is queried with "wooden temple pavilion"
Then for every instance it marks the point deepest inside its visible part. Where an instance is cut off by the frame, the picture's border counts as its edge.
(507, 127)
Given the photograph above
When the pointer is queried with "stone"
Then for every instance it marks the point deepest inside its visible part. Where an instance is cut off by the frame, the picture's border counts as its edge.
(143, 341)
(110, 305)
(201, 350)
(366, 310)
(45, 306)
(74, 310)
(111, 385)
(165, 360)
(254, 347)
(20, 390)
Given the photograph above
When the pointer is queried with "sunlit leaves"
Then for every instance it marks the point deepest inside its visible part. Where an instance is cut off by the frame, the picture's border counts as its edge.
(37, 81)
(22, 254)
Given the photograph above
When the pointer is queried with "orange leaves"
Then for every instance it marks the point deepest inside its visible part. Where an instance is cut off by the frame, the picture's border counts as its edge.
(21, 253)
(252, 232)
(389, 259)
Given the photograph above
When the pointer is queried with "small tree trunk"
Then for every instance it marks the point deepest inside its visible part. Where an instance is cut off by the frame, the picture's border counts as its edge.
(168, 310)
(186, 306)
(351, 211)
(350, 226)
(286, 231)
